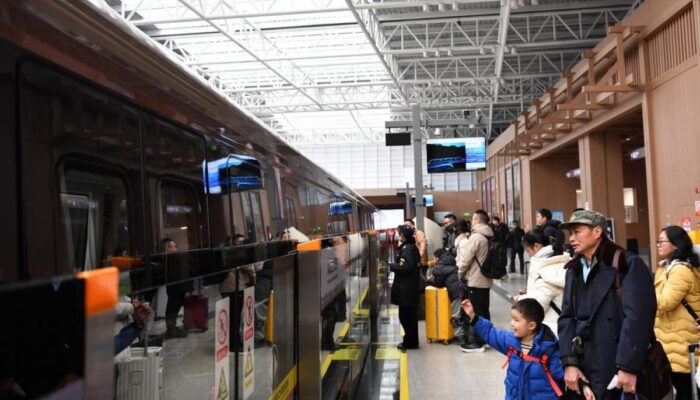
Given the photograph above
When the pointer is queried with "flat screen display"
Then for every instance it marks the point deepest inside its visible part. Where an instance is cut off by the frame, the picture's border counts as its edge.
(456, 154)
(340, 208)
(427, 200)
(235, 173)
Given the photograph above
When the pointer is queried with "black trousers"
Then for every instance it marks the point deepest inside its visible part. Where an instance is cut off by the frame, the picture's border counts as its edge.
(176, 300)
(234, 320)
(682, 382)
(408, 316)
(519, 253)
(480, 299)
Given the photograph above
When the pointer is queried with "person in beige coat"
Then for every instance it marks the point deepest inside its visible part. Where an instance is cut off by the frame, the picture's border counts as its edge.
(546, 277)
(478, 286)
(677, 280)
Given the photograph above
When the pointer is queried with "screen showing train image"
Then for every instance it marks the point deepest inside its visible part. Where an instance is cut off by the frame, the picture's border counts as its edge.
(427, 200)
(340, 208)
(235, 173)
(456, 154)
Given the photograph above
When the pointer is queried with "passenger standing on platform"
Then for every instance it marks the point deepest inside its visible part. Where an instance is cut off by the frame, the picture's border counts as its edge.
(677, 284)
(534, 369)
(478, 286)
(421, 242)
(551, 227)
(600, 337)
(233, 286)
(516, 247)
(406, 287)
(176, 292)
(449, 234)
(545, 282)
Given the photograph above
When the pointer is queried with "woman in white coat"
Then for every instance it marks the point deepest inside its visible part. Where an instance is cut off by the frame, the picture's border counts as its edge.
(546, 276)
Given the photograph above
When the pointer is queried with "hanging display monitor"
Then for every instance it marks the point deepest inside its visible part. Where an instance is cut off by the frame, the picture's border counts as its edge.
(235, 173)
(340, 208)
(456, 154)
(427, 200)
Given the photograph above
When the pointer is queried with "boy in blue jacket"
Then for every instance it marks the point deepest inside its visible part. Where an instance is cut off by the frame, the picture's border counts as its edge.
(532, 351)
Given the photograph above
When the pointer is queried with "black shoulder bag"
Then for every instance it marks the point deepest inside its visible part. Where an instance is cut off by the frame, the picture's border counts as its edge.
(655, 382)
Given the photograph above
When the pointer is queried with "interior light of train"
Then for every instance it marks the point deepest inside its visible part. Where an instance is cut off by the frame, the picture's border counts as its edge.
(183, 228)
(178, 209)
(637, 154)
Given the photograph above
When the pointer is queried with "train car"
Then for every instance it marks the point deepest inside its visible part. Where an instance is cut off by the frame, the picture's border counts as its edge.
(113, 154)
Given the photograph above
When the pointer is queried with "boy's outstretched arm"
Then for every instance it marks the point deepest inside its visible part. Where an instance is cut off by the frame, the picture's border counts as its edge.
(484, 328)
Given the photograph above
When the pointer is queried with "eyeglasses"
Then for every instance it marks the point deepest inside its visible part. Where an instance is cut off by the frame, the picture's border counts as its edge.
(658, 242)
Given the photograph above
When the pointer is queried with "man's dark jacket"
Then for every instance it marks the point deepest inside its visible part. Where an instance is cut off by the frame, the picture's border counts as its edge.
(406, 287)
(516, 238)
(613, 338)
(551, 229)
(445, 275)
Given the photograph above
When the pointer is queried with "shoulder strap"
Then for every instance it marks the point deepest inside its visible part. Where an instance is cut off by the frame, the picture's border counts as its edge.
(554, 307)
(690, 311)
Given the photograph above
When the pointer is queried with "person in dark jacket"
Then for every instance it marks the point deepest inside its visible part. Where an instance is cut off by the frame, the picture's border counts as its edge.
(406, 287)
(599, 336)
(516, 247)
(551, 227)
(445, 273)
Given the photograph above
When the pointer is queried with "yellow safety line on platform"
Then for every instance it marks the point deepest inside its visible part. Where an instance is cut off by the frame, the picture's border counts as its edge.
(356, 309)
(326, 364)
(404, 393)
(344, 330)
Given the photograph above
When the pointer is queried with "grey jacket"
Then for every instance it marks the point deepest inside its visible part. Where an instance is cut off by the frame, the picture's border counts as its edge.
(469, 250)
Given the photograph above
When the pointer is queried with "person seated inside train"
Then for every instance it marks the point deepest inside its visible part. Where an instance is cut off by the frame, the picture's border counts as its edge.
(531, 348)
(132, 315)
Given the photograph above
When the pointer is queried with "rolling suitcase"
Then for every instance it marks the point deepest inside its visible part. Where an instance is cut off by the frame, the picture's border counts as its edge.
(196, 312)
(438, 315)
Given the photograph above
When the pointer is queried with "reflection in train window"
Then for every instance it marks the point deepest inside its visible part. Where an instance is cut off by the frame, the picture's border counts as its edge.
(291, 211)
(178, 214)
(252, 215)
(94, 216)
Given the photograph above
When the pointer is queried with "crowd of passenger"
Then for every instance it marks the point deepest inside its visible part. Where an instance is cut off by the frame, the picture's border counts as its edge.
(593, 321)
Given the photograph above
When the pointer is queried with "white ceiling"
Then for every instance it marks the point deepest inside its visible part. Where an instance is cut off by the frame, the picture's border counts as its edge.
(333, 71)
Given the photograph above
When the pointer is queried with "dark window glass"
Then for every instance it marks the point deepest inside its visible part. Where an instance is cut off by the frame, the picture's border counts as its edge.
(85, 145)
(175, 162)
(94, 216)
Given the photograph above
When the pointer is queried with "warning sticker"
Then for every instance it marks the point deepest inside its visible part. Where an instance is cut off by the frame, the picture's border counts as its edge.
(346, 354)
(248, 318)
(222, 393)
(387, 354)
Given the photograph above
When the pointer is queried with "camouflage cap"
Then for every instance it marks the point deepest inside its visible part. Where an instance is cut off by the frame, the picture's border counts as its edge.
(585, 217)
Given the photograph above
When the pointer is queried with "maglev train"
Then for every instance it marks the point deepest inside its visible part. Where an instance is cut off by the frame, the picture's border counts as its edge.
(112, 154)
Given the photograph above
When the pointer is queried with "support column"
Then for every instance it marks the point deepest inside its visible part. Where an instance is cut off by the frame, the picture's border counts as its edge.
(418, 165)
(600, 160)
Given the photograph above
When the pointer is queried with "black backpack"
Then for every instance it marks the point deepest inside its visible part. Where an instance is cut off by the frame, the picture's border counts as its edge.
(494, 266)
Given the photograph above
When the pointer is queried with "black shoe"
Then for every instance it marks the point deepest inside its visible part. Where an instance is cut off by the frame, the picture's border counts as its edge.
(403, 347)
(175, 332)
(472, 348)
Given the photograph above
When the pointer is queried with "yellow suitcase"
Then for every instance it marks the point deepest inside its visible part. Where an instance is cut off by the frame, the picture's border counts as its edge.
(438, 315)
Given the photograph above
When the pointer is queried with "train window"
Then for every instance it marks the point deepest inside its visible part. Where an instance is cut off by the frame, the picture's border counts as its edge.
(291, 211)
(68, 224)
(178, 210)
(174, 162)
(249, 219)
(94, 216)
(220, 202)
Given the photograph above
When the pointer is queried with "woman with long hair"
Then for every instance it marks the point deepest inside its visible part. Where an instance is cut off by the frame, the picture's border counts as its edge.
(546, 277)
(677, 285)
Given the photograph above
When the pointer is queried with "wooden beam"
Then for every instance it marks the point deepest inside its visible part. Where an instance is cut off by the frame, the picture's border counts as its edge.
(575, 120)
(610, 88)
(579, 106)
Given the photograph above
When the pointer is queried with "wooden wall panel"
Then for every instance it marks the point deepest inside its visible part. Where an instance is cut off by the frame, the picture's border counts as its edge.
(635, 177)
(550, 188)
(675, 141)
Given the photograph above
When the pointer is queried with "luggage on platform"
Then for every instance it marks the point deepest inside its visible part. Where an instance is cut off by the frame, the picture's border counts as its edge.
(438, 315)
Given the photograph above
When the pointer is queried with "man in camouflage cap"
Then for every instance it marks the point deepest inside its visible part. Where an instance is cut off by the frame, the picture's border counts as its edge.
(600, 336)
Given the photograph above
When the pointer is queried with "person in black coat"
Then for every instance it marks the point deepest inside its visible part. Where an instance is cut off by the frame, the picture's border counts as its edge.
(445, 273)
(406, 287)
(601, 334)
(516, 247)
